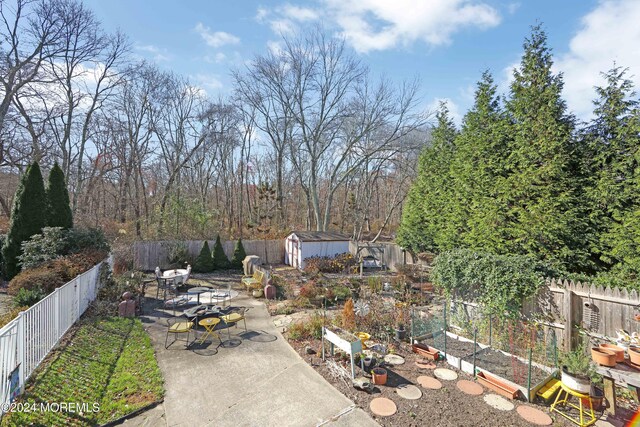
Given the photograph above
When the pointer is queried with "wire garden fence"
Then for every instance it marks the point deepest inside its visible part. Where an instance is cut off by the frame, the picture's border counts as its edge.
(519, 352)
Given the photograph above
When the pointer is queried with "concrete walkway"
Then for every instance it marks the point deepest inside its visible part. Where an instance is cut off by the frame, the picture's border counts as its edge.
(261, 381)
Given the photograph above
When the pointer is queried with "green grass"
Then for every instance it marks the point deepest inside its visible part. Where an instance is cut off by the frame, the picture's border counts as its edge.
(109, 361)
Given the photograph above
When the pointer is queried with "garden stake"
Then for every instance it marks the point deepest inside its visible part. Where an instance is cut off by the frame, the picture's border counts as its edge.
(445, 329)
(490, 324)
(475, 333)
(411, 332)
(529, 377)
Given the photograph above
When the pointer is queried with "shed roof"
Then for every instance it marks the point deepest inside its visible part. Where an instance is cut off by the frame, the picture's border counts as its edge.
(321, 236)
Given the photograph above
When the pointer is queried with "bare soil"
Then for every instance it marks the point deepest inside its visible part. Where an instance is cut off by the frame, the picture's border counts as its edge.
(508, 367)
(445, 407)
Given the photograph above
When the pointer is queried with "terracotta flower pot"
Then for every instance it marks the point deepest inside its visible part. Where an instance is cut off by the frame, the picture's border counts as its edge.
(634, 355)
(603, 356)
(619, 351)
(379, 376)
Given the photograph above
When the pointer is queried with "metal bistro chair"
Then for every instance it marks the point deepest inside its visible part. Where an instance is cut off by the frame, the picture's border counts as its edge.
(163, 283)
(177, 326)
(235, 315)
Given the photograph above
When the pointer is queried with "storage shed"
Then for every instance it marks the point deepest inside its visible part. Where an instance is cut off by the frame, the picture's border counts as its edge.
(300, 245)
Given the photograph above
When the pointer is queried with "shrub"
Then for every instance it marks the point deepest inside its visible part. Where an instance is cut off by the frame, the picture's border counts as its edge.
(28, 216)
(47, 277)
(348, 315)
(309, 290)
(55, 273)
(338, 264)
(48, 245)
(220, 259)
(28, 297)
(341, 292)
(239, 255)
(499, 283)
(204, 262)
(11, 314)
(79, 239)
(307, 329)
(58, 208)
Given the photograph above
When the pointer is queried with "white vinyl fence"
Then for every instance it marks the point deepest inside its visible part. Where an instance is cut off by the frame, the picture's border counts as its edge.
(27, 339)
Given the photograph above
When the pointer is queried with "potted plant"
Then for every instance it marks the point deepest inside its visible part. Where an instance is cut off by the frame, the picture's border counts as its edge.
(577, 370)
(401, 319)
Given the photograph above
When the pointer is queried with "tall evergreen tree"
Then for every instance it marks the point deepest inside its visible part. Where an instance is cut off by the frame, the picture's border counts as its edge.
(28, 216)
(204, 261)
(220, 259)
(614, 199)
(426, 216)
(543, 215)
(478, 170)
(59, 209)
(239, 255)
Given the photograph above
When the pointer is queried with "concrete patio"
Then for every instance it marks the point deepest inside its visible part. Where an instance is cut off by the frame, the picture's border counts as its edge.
(257, 379)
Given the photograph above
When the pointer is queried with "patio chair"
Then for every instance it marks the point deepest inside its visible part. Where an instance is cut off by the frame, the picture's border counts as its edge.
(163, 283)
(177, 326)
(235, 315)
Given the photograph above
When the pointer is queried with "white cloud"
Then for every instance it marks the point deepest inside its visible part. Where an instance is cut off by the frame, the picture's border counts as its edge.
(217, 38)
(609, 33)
(208, 82)
(300, 14)
(158, 54)
(380, 24)
(274, 47)
(286, 19)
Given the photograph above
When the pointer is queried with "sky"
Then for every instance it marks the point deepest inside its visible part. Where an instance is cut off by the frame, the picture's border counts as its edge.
(446, 44)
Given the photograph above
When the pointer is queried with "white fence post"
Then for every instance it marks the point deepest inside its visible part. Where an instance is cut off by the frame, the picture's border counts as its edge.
(21, 343)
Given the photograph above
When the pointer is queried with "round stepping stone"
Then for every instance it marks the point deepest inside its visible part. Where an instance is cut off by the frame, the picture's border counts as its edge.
(426, 365)
(469, 387)
(534, 415)
(408, 391)
(498, 402)
(394, 359)
(383, 407)
(445, 374)
(429, 382)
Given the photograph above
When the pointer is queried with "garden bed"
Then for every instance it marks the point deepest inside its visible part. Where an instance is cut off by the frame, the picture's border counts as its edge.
(107, 363)
(445, 407)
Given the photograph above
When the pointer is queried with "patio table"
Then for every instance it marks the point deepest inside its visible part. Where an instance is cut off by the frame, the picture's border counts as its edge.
(209, 325)
(173, 274)
(197, 292)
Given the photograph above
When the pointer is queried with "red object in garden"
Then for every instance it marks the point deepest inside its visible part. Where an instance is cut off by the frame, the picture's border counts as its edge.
(379, 376)
(426, 351)
(498, 385)
(269, 291)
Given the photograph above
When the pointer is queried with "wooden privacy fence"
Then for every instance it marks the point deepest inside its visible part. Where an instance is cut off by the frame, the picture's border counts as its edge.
(599, 311)
(389, 253)
(27, 339)
(569, 307)
(148, 255)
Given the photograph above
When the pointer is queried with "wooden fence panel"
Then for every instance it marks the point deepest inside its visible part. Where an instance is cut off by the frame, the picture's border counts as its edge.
(151, 254)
